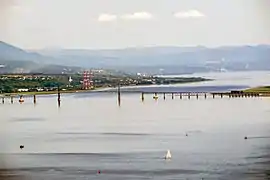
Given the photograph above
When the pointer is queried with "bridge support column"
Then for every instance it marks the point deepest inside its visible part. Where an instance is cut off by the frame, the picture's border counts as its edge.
(142, 96)
(205, 96)
(35, 99)
(197, 96)
(172, 96)
(180, 95)
(188, 95)
(213, 96)
(164, 96)
(221, 95)
(59, 97)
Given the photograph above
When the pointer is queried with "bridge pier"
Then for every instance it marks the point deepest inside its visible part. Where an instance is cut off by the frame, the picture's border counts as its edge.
(59, 97)
(172, 96)
(205, 96)
(164, 96)
(197, 95)
(213, 96)
(188, 95)
(35, 99)
(180, 95)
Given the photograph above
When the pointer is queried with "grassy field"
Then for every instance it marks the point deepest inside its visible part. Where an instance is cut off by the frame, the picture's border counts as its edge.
(264, 89)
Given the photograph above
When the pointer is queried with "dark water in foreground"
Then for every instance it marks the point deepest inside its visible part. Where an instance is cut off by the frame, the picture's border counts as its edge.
(90, 133)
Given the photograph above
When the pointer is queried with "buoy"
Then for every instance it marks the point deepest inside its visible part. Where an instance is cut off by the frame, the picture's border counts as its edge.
(98, 172)
(168, 155)
(246, 137)
(21, 146)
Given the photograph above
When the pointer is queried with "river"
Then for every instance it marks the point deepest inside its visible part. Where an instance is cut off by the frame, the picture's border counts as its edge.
(90, 137)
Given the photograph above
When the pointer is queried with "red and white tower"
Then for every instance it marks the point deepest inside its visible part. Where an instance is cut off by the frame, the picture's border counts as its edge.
(91, 79)
(87, 80)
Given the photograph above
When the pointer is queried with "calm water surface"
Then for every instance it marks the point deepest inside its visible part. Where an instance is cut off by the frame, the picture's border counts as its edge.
(90, 133)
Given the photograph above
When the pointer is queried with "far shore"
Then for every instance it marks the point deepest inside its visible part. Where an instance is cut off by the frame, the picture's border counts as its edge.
(261, 89)
(52, 92)
(99, 89)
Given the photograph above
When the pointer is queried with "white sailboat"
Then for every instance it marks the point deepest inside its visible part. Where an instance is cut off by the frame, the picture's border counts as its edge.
(168, 155)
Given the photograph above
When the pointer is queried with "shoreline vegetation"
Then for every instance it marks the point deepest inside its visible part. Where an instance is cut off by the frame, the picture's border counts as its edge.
(260, 89)
(48, 85)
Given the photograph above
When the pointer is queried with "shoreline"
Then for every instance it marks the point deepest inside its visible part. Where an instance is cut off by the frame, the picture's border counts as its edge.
(259, 89)
(99, 89)
(48, 92)
(112, 85)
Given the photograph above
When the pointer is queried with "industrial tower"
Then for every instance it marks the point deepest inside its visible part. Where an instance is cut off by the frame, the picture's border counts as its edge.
(87, 80)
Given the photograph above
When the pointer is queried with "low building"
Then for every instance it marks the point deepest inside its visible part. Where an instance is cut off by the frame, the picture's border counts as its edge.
(23, 90)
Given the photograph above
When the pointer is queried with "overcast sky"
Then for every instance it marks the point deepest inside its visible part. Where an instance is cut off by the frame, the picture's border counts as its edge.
(35, 24)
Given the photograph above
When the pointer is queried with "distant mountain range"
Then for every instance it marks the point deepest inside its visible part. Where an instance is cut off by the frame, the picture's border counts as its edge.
(156, 60)
(16, 60)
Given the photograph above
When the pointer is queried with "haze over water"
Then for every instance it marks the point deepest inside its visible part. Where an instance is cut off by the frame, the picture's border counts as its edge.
(90, 133)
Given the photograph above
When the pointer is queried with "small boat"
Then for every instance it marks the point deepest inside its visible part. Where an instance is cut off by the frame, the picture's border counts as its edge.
(155, 97)
(168, 155)
(21, 100)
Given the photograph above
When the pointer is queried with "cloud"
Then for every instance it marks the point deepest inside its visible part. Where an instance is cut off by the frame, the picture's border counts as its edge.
(107, 17)
(137, 16)
(189, 14)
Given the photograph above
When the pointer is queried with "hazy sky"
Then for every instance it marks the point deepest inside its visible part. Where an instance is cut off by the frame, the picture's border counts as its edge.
(124, 23)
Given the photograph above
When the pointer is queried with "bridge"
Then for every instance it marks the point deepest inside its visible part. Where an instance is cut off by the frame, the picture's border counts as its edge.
(156, 95)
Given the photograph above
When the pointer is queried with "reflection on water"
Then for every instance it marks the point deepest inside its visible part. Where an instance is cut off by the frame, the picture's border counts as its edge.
(90, 133)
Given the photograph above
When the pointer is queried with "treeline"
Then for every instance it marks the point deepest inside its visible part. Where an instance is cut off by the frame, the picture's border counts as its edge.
(11, 85)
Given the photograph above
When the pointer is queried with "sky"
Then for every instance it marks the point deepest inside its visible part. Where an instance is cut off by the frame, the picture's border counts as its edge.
(103, 24)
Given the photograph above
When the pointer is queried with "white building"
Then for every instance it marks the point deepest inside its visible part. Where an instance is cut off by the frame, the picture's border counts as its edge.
(23, 90)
